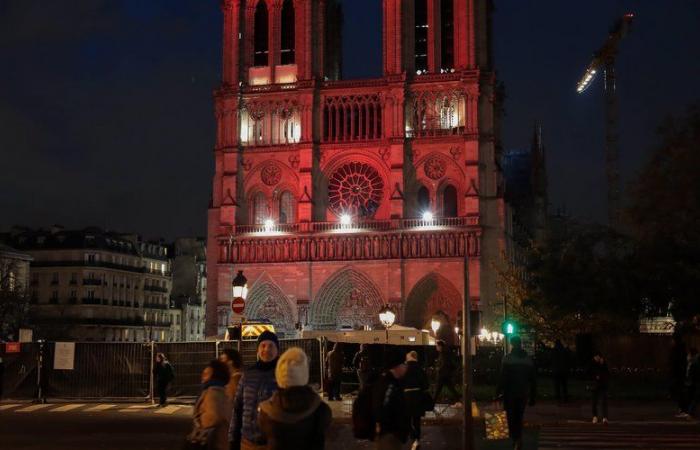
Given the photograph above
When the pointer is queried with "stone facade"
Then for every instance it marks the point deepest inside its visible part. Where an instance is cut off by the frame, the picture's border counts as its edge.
(189, 293)
(321, 184)
(93, 285)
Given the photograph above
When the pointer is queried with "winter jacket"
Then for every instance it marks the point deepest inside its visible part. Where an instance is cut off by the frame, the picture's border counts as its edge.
(257, 385)
(163, 373)
(334, 362)
(362, 361)
(415, 385)
(295, 418)
(213, 410)
(600, 375)
(232, 385)
(389, 407)
(517, 380)
(445, 365)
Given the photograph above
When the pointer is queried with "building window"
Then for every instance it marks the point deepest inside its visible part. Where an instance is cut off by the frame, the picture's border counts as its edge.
(286, 208)
(423, 202)
(288, 44)
(260, 50)
(260, 213)
(447, 57)
(12, 281)
(91, 257)
(54, 297)
(449, 201)
(421, 35)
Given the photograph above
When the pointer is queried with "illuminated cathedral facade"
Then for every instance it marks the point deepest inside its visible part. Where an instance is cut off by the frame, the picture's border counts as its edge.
(337, 197)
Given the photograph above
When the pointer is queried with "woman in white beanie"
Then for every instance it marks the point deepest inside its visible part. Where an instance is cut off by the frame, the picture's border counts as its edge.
(294, 417)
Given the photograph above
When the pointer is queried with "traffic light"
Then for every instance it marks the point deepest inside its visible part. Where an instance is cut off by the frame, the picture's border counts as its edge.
(509, 328)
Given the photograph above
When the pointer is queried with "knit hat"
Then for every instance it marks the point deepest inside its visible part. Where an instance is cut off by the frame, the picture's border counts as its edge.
(268, 335)
(292, 369)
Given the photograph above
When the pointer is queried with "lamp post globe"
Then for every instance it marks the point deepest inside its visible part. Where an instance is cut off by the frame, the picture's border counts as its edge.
(435, 325)
(240, 286)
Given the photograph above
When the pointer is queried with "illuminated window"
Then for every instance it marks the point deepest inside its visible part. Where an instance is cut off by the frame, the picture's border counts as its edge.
(288, 44)
(260, 50)
(286, 208)
(355, 189)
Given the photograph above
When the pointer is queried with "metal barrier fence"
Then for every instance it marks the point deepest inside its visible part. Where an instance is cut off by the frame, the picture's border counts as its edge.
(124, 370)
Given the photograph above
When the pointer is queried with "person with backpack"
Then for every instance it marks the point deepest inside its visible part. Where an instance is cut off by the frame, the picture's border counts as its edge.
(257, 385)
(163, 374)
(418, 399)
(294, 417)
(334, 371)
(362, 363)
(446, 368)
(517, 388)
(389, 404)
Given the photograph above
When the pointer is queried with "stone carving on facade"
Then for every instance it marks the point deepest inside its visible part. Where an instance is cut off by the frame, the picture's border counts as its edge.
(355, 188)
(247, 163)
(270, 174)
(355, 311)
(434, 168)
(455, 152)
(385, 153)
(294, 161)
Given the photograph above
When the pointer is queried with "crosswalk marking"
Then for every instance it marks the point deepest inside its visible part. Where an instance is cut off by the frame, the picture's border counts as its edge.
(4, 407)
(68, 407)
(101, 407)
(34, 407)
(136, 408)
(168, 409)
(617, 436)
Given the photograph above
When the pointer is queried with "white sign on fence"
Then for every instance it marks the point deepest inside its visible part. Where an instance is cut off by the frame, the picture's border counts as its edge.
(64, 356)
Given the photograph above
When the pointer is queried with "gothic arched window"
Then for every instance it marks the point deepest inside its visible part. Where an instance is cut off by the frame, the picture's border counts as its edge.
(355, 188)
(423, 203)
(260, 213)
(421, 35)
(260, 44)
(449, 201)
(286, 208)
(287, 44)
(447, 53)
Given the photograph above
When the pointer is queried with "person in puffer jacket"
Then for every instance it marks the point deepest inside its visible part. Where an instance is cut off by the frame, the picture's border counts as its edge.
(257, 385)
(294, 417)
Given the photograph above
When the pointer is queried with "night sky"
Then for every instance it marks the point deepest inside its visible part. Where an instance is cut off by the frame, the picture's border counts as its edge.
(106, 113)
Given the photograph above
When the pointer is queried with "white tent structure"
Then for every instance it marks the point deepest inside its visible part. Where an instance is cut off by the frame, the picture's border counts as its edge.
(398, 335)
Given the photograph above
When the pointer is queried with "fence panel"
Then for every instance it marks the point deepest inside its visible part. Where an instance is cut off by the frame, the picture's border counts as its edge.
(20, 375)
(101, 370)
(188, 360)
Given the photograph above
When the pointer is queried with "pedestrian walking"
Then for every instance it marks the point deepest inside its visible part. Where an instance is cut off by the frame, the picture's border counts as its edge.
(517, 387)
(600, 376)
(389, 404)
(212, 410)
(561, 364)
(294, 417)
(446, 368)
(692, 380)
(233, 361)
(362, 362)
(163, 374)
(334, 371)
(256, 385)
(678, 362)
(418, 399)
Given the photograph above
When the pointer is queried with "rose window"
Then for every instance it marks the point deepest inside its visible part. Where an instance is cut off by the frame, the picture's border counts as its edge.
(356, 189)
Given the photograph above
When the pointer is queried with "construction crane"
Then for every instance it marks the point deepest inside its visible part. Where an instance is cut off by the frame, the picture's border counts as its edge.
(604, 59)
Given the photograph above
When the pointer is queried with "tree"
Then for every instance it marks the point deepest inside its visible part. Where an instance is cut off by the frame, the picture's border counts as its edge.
(14, 300)
(664, 217)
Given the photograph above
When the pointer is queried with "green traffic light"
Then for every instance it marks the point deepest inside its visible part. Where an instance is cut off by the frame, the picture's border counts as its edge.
(509, 328)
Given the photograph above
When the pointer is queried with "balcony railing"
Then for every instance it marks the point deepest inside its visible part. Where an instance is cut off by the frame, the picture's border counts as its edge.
(155, 288)
(91, 301)
(92, 282)
(155, 306)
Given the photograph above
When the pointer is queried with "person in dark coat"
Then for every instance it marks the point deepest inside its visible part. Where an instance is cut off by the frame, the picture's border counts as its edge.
(294, 417)
(389, 404)
(415, 387)
(560, 371)
(517, 387)
(256, 385)
(334, 371)
(600, 376)
(163, 375)
(212, 410)
(362, 362)
(446, 368)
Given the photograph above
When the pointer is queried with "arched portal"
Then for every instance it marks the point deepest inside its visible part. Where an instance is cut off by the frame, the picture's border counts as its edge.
(434, 295)
(346, 299)
(267, 301)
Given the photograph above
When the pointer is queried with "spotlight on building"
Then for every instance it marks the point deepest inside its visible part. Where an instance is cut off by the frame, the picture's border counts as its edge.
(427, 216)
(269, 225)
(345, 220)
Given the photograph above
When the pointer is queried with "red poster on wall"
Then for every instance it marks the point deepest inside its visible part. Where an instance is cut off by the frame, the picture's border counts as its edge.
(12, 347)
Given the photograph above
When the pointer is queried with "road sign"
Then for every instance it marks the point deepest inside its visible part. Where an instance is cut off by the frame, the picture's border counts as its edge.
(12, 347)
(238, 305)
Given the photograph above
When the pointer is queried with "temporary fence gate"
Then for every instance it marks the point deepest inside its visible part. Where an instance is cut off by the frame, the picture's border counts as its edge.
(124, 370)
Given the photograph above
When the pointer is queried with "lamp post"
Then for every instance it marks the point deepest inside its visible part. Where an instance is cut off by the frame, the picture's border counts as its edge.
(435, 325)
(387, 316)
(467, 419)
(239, 289)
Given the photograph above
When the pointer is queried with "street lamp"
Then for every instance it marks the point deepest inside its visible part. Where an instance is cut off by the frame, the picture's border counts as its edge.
(435, 325)
(240, 286)
(387, 316)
